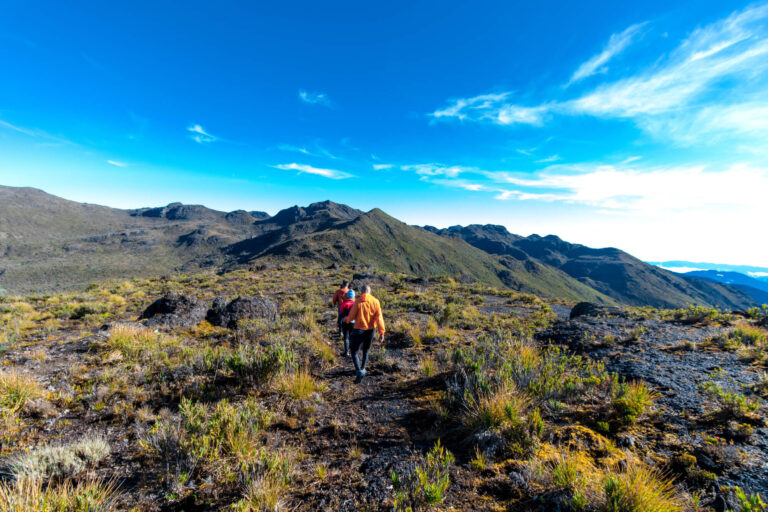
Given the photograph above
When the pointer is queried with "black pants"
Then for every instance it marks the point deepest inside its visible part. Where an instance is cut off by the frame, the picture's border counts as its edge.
(360, 339)
(346, 331)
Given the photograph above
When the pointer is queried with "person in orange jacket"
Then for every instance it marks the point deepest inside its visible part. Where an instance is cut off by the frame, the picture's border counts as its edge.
(338, 297)
(366, 313)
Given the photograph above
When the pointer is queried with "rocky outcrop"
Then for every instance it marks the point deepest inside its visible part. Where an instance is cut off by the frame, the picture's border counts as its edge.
(242, 308)
(174, 310)
(592, 309)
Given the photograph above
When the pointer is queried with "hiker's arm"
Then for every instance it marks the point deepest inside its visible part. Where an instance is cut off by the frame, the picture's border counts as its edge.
(380, 324)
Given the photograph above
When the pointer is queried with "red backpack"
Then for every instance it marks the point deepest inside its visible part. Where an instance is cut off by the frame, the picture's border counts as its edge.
(346, 307)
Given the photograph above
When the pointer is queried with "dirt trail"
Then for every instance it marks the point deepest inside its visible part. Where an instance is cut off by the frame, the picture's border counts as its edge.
(364, 431)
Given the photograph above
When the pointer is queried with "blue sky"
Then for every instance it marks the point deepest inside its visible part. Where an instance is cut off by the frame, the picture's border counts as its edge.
(609, 124)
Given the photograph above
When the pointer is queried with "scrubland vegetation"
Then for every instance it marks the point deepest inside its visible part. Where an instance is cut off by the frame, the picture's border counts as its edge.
(469, 405)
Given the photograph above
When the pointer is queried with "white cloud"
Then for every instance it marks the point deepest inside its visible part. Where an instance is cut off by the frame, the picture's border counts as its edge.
(296, 149)
(382, 167)
(116, 163)
(549, 159)
(308, 169)
(597, 64)
(644, 191)
(314, 98)
(436, 170)
(199, 135)
(680, 96)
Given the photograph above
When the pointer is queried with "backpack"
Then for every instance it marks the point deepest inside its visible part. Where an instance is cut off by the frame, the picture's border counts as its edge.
(346, 307)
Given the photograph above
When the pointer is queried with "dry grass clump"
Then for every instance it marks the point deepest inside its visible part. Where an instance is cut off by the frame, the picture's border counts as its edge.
(578, 482)
(139, 343)
(632, 400)
(15, 389)
(60, 461)
(298, 385)
(640, 489)
(29, 495)
(503, 408)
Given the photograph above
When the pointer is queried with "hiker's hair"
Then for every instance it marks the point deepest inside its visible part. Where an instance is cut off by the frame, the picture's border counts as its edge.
(366, 288)
(344, 283)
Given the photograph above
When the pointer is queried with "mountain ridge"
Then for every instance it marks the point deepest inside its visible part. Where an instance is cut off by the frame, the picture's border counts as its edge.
(52, 243)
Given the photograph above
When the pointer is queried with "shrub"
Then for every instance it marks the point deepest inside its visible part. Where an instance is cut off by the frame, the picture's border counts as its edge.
(751, 503)
(632, 400)
(258, 364)
(427, 484)
(60, 461)
(732, 403)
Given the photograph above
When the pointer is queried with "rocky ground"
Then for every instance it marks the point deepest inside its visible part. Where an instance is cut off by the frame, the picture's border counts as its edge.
(332, 445)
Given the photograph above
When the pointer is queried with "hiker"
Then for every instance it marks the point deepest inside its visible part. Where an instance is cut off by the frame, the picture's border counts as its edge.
(346, 327)
(338, 298)
(366, 313)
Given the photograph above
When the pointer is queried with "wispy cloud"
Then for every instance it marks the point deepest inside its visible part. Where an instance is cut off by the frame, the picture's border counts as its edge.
(645, 190)
(34, 132)
(597, 64)
(436, 170)
(295, 149)
(668, 98)
(116, 163)
(199, 135)
(314, 98)
(308, 169)
(549, 159)
(382, 167)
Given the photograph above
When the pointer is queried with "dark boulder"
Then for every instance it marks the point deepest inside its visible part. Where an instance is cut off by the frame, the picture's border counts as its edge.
(367, 277)
(242, 308)
(174, 310)
(593, 309)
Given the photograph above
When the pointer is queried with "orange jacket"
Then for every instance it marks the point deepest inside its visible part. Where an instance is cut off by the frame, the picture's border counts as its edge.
(339, 296)
(367, 313)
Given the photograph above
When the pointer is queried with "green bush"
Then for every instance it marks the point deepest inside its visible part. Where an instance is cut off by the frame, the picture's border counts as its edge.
(427, 484)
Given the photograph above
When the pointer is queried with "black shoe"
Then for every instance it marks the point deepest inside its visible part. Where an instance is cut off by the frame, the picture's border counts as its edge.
(347, 354)
(359, 379)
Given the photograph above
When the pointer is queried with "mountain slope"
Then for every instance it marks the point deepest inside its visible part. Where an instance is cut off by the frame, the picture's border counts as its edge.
(755, 288)
(377, 239)
(610, 271)
(49, 243)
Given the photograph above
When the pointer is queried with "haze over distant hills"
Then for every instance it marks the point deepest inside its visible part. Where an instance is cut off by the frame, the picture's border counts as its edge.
(50, 243)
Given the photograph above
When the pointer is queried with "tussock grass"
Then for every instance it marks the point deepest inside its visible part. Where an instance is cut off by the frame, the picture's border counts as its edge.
(64, 461)
(16, 388)
(632, 400)
(639, 489)
(139, 343)
(299, 385)
(29, 495)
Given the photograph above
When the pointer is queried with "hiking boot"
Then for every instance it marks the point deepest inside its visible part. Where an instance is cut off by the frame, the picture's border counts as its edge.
(360, 377)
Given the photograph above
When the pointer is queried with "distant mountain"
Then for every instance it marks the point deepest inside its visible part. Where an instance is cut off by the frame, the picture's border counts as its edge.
(759, 273)
(328, 232)
(610, 271)
(49, 243)
(754, 287)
